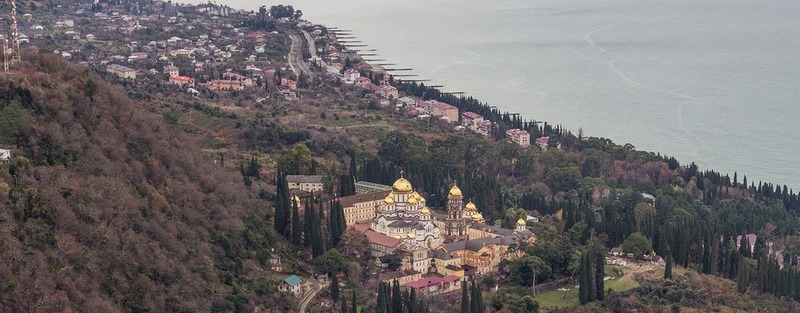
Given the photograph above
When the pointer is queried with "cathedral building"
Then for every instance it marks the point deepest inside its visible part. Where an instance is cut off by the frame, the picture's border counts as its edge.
(457, 243)
(404, 215)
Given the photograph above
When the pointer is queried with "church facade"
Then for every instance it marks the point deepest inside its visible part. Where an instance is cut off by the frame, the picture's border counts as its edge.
(457, 243)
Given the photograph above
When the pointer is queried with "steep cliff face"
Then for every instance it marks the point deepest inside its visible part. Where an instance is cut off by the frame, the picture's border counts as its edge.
(108, 208)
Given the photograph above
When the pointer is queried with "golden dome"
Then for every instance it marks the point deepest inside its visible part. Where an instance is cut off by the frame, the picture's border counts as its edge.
(471, 206)
(477, 217)
(455, 192)
(421, 199)
(416, 195)
(402, 185)
(521, 222)
(411, 235)
(389, 199)
(425, 211)
(412, 201)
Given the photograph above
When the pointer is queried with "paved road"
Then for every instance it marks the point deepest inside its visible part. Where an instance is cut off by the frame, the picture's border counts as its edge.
(296, 61)
(312, 49)
(308, 297)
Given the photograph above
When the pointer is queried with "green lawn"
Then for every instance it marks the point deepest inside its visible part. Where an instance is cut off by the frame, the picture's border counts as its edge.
(556, 298)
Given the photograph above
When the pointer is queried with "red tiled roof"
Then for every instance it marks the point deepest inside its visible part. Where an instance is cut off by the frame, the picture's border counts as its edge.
(471, 115)
(372, 196)
(425, 282)
(445, 106)
(182, 78)
(516, 132)
(376, 237)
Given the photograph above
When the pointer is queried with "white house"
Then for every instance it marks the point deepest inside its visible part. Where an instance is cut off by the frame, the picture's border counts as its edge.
(122, 71)
(291, 284)
(5, 154)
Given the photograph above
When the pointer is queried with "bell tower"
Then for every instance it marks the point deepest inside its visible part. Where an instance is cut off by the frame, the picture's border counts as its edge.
(456, 227)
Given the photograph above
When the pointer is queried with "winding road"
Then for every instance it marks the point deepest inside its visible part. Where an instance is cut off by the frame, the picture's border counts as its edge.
(296, 61)
(308, 297)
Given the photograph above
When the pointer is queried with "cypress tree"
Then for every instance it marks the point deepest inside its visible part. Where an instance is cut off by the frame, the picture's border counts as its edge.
(397, 299)
(355, 306)
(464, 297)
(583, 279)
(668, 268)
(760, 248)
(280, 218)
(707, 253)
(796, 274)
(742, 280)
(479, 294)
(599, 273)
(387, 300)
(474, 305)
(297, 231)
(334, 288)
(380, 307)
(344, 305)
(308, 222)
(744, 246)
(337, 222)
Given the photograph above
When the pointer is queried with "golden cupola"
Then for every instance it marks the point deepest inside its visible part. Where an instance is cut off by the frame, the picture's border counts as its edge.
(425, 211)
(478, 217)
(402, 185)
(521, 222)
(471, 207)
(455, 193)
(389, 199)
(411, 235)
(412, 201)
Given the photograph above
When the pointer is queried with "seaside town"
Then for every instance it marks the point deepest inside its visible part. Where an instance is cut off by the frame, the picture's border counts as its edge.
(198, 54)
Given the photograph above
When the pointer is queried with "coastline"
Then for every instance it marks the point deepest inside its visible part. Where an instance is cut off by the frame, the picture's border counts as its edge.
(667, 126)
(659, 125)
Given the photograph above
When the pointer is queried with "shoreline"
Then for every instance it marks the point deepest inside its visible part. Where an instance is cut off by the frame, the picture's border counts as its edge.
(703, 155)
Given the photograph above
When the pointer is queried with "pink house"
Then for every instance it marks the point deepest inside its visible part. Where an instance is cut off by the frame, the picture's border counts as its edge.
(435, 285)
(388, 92)
(351, 76)
(181, 80)
(543, 142)
(288, 83)
(519, 137)
(442, 109)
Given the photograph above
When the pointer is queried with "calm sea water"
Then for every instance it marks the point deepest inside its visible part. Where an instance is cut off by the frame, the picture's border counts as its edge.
(711, 82)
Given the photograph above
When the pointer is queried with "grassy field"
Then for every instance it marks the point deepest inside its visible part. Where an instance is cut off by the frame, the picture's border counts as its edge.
(556, 298)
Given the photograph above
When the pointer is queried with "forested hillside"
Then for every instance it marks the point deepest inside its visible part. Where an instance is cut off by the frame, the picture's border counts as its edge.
(108, 208)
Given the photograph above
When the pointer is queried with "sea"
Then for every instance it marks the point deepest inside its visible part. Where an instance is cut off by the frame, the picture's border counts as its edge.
(712, 82)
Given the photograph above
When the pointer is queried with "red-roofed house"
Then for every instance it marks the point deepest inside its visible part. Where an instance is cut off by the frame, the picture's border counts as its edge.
(181, 81)
(435, 285)
(443, 110)
(483, 127)
(380, 244)
(751, 239)
(519, 137)
(224, 85)
(351, 76)
(475, 122)
(543, 142)
(469, 118)
(388, 92)
(402, 277)
(288, 83)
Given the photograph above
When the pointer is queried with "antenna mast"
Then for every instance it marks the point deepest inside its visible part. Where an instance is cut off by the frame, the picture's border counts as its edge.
(5, 54)
(15, 53)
